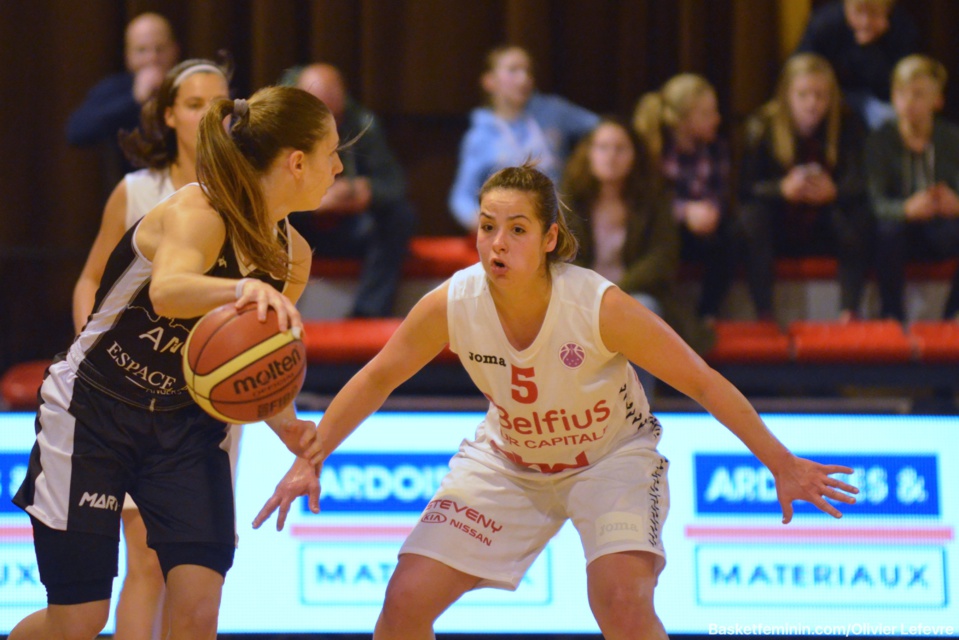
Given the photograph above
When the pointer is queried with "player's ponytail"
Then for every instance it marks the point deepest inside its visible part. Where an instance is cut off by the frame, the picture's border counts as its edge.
(238, 141)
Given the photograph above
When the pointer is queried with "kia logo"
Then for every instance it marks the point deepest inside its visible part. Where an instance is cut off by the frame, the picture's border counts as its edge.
(434, 518)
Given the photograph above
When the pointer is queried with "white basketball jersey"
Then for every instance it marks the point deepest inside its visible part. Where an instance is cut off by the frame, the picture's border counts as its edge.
(145, 189)
(564, 401)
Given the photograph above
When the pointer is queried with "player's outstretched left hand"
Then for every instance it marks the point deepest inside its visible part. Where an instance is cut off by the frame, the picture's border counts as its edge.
(302, 479)
(802, 479)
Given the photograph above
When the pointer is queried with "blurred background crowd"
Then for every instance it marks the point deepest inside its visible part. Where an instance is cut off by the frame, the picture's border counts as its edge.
(723, 133)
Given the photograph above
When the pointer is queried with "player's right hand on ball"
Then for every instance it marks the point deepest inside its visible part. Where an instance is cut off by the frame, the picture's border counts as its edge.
(303, 479)
(264, 296)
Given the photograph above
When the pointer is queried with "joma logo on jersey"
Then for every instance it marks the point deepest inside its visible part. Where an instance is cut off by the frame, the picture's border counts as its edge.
(617, 526)
(481, 359)
(99, 501)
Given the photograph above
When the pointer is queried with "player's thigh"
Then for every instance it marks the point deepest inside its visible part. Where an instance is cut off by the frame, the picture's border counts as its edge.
(141, 559)
(426, 585)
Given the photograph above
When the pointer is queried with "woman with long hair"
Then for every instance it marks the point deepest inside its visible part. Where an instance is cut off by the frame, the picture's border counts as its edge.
(623, 220)
(801, 185)
(115, 414)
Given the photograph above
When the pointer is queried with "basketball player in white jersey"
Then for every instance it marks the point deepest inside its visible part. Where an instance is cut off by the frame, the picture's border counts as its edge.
(568, 434)
(165, 145)
(115, 415)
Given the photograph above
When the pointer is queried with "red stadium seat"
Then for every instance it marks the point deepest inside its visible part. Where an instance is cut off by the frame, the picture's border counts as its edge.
(440, 257)
(429, 257)
(936, 341)
(877, 341)
(353, 341)
(20, 383)
(826, 268)
(742, 342)
(809, 268)
(941, 270)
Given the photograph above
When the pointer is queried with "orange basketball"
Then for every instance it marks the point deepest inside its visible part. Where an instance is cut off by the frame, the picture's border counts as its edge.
(240, 369)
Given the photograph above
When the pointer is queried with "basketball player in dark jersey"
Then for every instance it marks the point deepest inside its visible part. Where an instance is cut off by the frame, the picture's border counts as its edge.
(115, 415)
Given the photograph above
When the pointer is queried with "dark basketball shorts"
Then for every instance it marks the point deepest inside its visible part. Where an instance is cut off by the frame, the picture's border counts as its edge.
(90, 450)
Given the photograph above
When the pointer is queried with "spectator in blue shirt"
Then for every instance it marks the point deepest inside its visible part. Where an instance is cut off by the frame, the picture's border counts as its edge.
(518, 124)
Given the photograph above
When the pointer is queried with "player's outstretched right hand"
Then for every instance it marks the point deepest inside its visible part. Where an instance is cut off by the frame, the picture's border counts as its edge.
(303, 479)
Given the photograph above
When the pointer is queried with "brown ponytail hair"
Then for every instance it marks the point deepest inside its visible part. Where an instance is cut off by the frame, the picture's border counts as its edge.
(230, 163)
(530, 180)
(665, 109)
(153, 144)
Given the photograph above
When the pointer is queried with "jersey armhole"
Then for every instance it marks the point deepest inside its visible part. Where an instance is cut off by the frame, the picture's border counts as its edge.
(597, 313)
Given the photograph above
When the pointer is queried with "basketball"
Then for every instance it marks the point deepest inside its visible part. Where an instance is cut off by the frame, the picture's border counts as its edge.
(240, 369)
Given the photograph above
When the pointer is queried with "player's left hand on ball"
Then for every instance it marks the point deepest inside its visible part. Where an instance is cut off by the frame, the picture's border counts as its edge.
(803, 479)
(302, 479)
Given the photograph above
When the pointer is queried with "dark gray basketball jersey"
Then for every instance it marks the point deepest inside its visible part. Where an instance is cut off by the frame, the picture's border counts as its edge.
(128, 351)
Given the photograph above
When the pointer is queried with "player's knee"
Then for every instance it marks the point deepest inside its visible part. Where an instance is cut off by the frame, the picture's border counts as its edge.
(144, 568)
(623, 606)
(84, 623)
(195, 617)
(404, 606)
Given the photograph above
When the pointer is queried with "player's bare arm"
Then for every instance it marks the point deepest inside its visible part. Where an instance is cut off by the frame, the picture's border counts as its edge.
(112, 228)
(629, 328)
(183, 237)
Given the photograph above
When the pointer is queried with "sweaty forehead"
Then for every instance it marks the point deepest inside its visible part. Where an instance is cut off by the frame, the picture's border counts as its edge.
(510, 202)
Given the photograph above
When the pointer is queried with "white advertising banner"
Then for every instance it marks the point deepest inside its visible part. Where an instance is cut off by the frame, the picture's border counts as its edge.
(884, 569)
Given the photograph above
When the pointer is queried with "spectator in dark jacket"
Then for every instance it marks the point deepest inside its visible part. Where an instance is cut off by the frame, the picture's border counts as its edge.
(912, 166)
(114, 103)
(365, 213)
(801, 190)
(623, 219)
(863, 40)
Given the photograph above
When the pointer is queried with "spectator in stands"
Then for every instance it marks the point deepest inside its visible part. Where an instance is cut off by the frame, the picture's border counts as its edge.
(863, 40)
(912, 166)
(679, 124)
(801, 189)
(114, 103)
(165, 145)
(518, 124)
(621, 217)
(365, 213)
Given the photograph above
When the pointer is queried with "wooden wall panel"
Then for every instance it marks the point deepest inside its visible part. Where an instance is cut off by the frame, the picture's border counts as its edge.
(415, 62)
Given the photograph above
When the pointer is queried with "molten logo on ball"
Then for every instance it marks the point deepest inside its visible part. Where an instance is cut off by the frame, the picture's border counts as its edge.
(275, 370)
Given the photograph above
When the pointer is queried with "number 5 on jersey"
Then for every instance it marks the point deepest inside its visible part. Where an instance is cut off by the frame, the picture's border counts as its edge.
(522, 386)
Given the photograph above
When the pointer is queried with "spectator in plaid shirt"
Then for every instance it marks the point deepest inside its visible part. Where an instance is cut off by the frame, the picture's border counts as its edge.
(679, 124)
